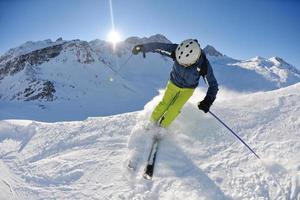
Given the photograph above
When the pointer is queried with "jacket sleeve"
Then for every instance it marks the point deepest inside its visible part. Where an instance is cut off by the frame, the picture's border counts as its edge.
(212, 83)
(162, 48)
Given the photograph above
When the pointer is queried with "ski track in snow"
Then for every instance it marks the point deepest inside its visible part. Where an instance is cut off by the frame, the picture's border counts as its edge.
(198, 158)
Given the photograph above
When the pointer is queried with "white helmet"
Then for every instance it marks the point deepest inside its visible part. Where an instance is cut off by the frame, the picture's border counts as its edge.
(188, 52)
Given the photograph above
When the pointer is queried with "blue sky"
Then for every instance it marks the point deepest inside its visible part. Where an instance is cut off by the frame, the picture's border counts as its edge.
(238, 28)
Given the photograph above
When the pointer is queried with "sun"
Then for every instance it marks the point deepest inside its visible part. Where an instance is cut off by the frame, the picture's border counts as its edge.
(113, 37)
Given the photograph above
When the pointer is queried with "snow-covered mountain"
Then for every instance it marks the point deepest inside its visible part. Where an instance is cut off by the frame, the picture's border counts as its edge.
(75, 79)
(198, 159)
(211, 51)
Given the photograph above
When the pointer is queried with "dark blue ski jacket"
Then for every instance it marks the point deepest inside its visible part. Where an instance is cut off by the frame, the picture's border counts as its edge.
(186, 77)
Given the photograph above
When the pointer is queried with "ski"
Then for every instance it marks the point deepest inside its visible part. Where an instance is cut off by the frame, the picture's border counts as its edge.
(149, 169)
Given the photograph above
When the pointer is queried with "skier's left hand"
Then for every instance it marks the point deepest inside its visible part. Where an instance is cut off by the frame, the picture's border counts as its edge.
(205, 104)
(137, 49)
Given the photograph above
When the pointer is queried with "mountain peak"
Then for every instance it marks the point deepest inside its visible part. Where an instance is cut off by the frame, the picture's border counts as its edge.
(258, 58)
(153, 38)
(211, 51)
(278, 61)
(159, 38)
(281, 63)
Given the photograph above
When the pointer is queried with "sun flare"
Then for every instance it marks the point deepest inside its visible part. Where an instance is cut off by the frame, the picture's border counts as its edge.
(114, 37)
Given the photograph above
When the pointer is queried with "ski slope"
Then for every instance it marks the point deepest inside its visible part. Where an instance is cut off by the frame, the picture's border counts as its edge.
(198, 158)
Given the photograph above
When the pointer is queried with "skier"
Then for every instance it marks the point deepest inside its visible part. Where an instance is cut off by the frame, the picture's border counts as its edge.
(190, 63)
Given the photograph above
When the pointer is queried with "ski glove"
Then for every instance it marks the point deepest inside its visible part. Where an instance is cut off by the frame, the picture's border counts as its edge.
(205, 104)
(137, 49)
(173, 55)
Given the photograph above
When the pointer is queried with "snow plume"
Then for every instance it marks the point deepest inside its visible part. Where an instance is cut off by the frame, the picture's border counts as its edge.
(198, 95)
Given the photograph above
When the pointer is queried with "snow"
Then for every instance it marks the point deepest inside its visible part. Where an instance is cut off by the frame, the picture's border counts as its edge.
(90, 87)
(198, 158)
(27, 47)
(91, 79)
(274, 69)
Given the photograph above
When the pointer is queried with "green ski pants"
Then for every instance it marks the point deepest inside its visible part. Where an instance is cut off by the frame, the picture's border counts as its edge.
(169, 107)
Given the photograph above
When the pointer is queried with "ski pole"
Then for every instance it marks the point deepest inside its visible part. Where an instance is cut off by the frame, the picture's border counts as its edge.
(236, 135)
(125, 62)
(240, 139)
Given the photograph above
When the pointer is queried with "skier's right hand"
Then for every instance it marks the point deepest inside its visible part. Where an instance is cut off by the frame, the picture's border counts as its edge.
(137, 49)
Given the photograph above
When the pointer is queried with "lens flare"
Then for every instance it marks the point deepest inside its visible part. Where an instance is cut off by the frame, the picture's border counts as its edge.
(113, 37)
